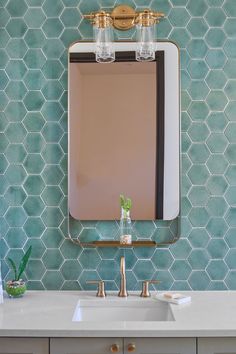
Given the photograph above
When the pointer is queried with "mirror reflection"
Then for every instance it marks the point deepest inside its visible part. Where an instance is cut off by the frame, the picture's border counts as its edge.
(113, 139)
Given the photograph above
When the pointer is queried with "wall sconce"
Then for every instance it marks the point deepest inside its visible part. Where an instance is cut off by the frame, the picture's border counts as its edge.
(124, 17)
(103, 36)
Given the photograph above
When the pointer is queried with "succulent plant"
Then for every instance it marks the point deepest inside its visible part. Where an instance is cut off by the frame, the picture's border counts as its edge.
(23, 263)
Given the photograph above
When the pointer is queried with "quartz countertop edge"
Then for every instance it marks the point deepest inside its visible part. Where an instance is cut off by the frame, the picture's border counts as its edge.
(50, 313)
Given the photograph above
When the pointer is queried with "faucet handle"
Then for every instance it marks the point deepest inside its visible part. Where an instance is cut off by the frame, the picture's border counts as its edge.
(101, 287)
(145, 287)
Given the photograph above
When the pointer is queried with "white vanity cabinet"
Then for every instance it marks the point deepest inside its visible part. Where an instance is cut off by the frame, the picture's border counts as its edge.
(24, 345)
(123, 346)
(118, 345)
(218, 345)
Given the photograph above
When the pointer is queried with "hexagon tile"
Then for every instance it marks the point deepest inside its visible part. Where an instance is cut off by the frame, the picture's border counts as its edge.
(34, 37)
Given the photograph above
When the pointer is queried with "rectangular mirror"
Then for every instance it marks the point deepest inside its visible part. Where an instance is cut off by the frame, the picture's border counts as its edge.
(124, 133)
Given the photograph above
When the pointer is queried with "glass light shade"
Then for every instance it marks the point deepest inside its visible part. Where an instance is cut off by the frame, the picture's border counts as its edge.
(145, 43)
(104, 49)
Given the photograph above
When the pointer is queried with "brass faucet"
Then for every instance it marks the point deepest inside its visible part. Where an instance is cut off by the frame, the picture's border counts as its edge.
(123, 291)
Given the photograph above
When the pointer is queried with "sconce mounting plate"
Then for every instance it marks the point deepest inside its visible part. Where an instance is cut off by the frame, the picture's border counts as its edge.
(123, 17)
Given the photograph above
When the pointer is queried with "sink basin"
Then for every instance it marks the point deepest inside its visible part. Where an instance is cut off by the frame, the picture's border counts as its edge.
(97, 310)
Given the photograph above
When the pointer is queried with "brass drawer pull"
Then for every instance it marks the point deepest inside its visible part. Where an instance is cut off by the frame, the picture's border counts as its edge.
(131, 347)
(114, 348)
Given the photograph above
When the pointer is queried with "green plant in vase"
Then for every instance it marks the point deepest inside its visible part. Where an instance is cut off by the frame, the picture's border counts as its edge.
(125, 204)
(17, 286)
(125, 220)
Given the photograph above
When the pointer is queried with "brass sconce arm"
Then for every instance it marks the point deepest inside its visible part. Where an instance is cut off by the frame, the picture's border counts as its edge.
(101, 19)
(124, 17)
(148, 18)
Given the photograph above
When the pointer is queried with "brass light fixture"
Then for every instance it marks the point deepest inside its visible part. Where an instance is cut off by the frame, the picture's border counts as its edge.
(124, 17)
(103, 36)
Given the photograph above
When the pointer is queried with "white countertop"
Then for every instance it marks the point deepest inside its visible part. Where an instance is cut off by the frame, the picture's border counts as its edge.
(50, 313)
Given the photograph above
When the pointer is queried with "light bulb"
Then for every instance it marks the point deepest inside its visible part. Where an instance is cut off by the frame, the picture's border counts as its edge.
(145, 43)
(103, 36)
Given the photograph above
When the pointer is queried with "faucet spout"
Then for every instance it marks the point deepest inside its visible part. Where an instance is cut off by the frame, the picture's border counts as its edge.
(123, 291)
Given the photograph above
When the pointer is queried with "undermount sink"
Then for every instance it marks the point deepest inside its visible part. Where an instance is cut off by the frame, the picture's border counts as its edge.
(107, 310)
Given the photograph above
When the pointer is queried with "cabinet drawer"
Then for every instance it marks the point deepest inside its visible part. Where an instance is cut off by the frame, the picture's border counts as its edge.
(24, 346)
(85, 345)
(160, 345)
(217, 345)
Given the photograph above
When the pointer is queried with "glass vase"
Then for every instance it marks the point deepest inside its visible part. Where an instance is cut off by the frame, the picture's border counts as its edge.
(15, 288)
(125, 227)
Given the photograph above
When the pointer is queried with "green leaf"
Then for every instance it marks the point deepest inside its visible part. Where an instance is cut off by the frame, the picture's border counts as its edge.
(129, 203)
(125, 203)
(122, 200)
(13, 266)
(23, 262)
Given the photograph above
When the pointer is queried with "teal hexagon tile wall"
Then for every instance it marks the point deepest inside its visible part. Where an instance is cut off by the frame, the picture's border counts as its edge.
(34, 37)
